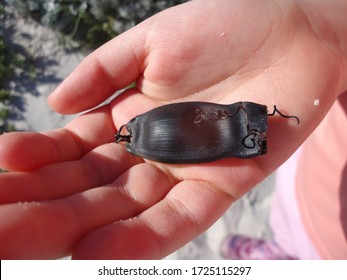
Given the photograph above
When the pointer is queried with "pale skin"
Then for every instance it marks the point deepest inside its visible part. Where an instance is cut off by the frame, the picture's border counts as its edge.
(74, 191)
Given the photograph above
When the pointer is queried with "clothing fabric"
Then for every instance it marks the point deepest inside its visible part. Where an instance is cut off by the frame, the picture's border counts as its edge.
(322, 184)
(285, 218)
(309, 211)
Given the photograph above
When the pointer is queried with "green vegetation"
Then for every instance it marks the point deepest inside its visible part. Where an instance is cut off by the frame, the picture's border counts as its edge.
(6, 72)
(87, 24)
(11, 62)
(83, 24)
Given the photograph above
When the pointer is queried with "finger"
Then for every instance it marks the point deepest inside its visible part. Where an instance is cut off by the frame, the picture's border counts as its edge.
(50, 229)
(25, 151)
(188, 209)
(130, 104)
(101, 166)
(113, 66)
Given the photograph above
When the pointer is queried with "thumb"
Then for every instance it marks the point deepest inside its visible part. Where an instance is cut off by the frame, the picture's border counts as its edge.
(112, 67)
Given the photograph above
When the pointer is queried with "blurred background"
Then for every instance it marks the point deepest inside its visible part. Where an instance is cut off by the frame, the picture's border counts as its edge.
(41, 42)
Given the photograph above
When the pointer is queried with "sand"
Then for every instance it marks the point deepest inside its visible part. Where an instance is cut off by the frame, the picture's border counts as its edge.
(31, 112)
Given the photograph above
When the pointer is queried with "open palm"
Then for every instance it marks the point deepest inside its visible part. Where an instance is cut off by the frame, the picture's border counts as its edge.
(86, 196)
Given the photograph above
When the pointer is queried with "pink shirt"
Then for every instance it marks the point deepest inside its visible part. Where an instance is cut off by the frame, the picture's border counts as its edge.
(322, 184)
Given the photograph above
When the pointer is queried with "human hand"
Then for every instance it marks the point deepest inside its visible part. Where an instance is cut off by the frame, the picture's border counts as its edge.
(87, 196)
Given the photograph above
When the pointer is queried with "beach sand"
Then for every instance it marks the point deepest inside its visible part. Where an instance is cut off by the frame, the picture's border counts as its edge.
(31, 112)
